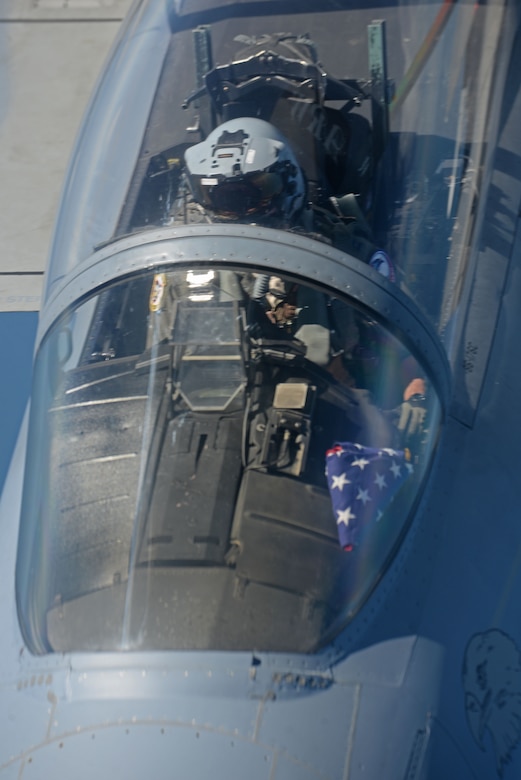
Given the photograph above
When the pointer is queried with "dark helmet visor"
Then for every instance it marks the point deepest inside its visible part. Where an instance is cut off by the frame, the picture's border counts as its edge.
(242, 195)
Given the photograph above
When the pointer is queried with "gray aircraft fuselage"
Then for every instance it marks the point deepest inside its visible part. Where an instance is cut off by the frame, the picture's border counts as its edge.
(262, 516)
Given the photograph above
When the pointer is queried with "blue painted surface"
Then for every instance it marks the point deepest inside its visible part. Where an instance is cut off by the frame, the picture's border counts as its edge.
(17, 335)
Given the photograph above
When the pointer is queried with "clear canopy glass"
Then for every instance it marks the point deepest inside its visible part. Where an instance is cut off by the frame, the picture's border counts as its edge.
(218, 459)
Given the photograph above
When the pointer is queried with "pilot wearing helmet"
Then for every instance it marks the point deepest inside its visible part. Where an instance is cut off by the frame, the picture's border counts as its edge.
(246, 171)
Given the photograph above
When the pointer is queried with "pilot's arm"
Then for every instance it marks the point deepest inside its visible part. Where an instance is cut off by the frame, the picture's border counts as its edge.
(412, 414)
(375, 430)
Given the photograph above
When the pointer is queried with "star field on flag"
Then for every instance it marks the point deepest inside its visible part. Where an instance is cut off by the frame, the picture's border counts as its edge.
(362, 482)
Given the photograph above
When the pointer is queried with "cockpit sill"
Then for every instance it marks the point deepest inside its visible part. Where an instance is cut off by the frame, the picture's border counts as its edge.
(254, 675)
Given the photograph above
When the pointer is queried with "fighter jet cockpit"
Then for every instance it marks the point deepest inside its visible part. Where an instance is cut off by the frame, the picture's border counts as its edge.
(276, 141)
(243, 363)
(267, 524)
(228, 460)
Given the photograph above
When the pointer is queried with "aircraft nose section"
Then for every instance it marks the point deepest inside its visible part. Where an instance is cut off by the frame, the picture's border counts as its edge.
(372, 715)
(141, 749)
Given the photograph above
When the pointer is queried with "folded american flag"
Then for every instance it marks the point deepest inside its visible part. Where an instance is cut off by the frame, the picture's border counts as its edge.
(362, 482)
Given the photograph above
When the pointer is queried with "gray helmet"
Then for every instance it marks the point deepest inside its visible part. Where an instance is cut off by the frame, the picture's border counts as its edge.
(246, 170)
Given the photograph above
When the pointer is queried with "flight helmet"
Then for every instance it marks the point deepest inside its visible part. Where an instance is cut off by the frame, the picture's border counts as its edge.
(245, 170)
